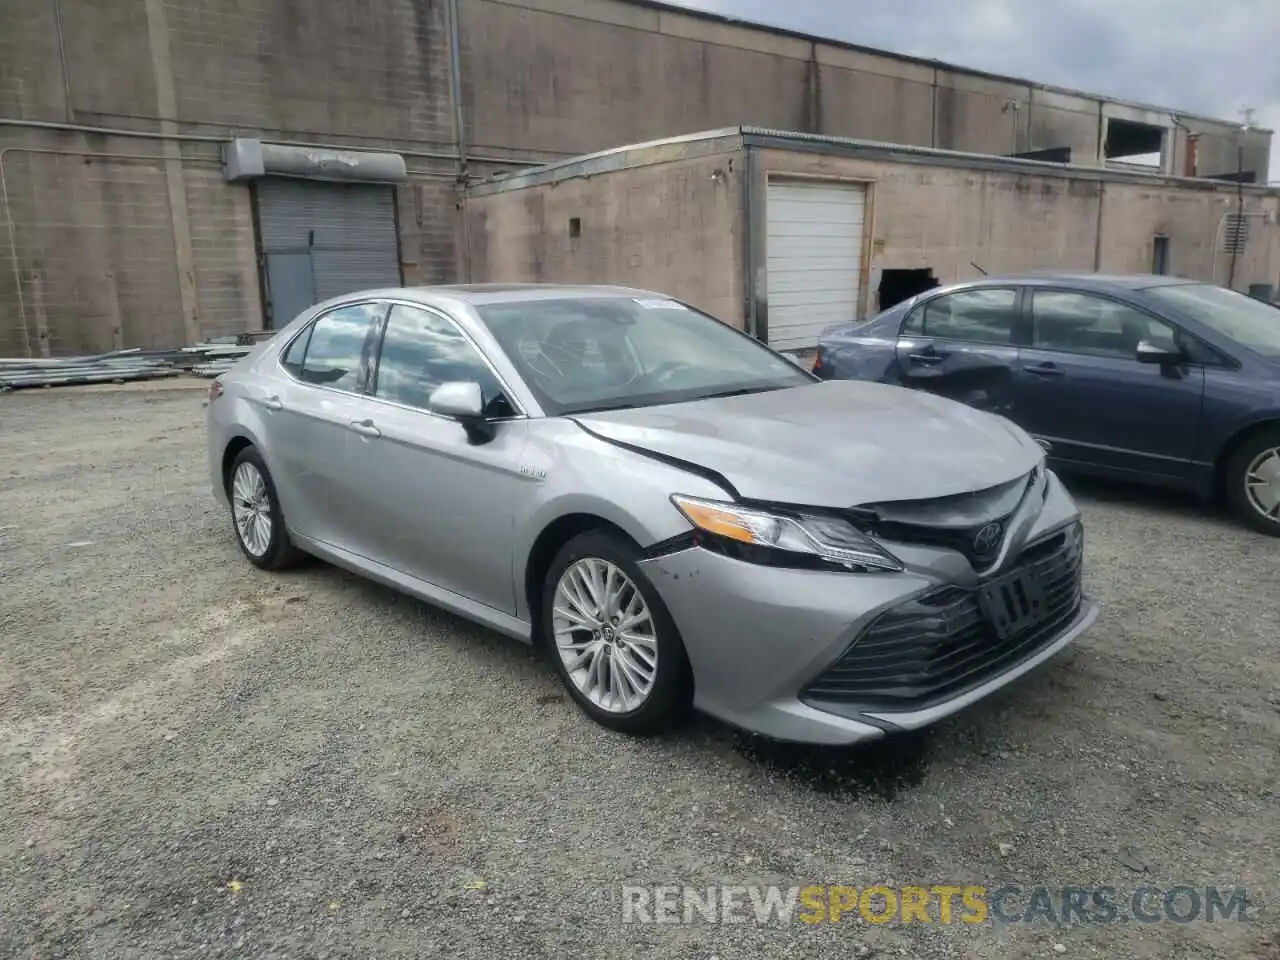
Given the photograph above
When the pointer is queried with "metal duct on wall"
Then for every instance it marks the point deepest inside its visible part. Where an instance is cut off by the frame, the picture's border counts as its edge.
(247, 159)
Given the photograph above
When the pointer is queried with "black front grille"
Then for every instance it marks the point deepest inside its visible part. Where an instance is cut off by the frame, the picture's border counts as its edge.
(937, 646)
(961, 539)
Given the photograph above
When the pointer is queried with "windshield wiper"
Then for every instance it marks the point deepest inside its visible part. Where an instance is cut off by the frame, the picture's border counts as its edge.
(739, 392)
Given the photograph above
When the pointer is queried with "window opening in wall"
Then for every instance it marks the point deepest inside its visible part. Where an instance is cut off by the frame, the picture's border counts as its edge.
(575, 226)
(1132, 144)
(899, 285)
(1160, 254)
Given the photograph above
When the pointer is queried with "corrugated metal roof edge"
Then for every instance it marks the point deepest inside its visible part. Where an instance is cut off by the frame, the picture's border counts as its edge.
(723, 140)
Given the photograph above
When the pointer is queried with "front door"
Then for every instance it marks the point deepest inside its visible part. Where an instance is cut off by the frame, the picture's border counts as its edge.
(1081, 387)
(438, 506)
(961, 346)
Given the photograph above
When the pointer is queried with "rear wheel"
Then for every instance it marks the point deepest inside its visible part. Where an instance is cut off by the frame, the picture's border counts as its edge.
(1253, 481)
(612, 639)
(256, 514)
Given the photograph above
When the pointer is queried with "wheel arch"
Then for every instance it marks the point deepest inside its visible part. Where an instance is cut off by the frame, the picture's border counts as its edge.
(1237, 440)
(546, 545)
(232, 450)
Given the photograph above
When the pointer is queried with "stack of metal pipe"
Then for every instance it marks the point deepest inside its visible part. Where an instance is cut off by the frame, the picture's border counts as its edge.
(208, 358)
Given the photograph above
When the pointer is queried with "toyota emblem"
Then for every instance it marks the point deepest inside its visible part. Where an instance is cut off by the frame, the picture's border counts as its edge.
(987, 538)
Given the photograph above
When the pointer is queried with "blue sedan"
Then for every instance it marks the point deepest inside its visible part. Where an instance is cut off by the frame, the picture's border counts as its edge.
(1148, 378)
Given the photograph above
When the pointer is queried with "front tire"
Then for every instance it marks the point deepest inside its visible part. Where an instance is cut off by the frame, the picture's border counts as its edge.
(1253, 481)
(611, 638)
(256, 516)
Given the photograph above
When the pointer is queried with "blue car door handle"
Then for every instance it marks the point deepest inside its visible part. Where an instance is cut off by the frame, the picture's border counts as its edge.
(1045, 370)
(927, 357)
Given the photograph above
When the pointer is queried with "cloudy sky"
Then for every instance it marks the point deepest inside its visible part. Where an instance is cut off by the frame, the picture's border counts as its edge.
(1190, 55)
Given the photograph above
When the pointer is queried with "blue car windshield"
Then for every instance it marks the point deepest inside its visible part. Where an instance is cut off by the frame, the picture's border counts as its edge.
(1249, 322)
(611, 352)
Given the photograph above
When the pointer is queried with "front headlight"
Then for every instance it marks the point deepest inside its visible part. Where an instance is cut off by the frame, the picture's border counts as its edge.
(778, 537)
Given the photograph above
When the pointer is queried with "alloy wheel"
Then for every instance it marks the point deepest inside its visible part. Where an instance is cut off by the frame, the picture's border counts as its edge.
(1262, 483)
(251, 509)
(605, 635)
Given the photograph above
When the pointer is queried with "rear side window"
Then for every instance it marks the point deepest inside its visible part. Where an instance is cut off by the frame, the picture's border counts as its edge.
(292, 359)
(335, 350)
(978, 316)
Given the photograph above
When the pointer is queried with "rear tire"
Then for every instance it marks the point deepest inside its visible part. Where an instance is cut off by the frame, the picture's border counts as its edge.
(612, 639)
(1253, 481)
(256, 516)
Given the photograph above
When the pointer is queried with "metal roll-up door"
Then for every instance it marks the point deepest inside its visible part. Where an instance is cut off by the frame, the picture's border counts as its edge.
(815, 239)
(321, 240)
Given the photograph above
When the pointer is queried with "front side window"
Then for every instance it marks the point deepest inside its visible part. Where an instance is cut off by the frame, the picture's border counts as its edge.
(421, 350)
(1249, 322)
(1075, 322)
(977, 316)
(335, 349)
(594, 353)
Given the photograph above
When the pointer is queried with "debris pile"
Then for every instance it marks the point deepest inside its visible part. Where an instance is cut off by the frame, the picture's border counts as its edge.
(208, 358)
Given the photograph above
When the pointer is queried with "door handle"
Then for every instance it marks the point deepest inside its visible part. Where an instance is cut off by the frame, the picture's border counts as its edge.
(927, 359)
(1046, 370)
(366, 428)
(273, 403)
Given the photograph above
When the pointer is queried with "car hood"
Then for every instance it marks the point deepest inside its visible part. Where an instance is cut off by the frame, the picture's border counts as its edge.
(840, 443)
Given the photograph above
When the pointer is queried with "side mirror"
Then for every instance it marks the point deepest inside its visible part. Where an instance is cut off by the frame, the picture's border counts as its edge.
(464, 402)
(1160, 351)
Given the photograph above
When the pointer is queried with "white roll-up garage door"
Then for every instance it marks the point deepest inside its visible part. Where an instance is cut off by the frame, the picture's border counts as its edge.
(815, 238)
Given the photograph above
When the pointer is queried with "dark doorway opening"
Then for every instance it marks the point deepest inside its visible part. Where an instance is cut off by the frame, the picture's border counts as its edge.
(899, 285)
(1160, 254)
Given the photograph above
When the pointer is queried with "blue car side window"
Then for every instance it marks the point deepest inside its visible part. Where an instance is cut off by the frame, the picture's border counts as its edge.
(913, 326)
(984, 315)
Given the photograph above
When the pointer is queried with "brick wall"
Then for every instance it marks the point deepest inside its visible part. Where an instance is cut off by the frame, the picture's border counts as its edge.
(428, 220)
(30, 67)
(222, 242)
(95, 248)
(97, 242)
(542, 78)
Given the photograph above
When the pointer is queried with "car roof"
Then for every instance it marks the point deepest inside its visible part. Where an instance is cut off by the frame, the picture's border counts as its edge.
(478, 294)
(1100, 281)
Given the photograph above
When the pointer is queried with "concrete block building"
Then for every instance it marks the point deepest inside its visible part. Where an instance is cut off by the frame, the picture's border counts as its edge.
(174, 169)
(784, 234)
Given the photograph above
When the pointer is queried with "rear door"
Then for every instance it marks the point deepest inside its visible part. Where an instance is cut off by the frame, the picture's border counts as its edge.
(963, 346)
(308, 421)
(1081, 387)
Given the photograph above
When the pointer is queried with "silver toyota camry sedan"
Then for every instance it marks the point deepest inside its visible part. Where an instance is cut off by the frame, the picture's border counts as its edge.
(679, 515)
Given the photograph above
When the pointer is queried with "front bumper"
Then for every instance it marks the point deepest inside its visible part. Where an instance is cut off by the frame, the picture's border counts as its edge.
(758, 638)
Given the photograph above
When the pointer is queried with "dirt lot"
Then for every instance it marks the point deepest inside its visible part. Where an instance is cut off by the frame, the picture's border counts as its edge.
(204, 760)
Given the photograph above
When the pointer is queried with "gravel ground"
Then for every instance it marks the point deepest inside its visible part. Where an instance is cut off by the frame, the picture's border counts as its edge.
(202, 759)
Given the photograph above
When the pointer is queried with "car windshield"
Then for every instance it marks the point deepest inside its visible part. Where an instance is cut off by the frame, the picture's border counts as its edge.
(597, 353)
(1249, 322)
